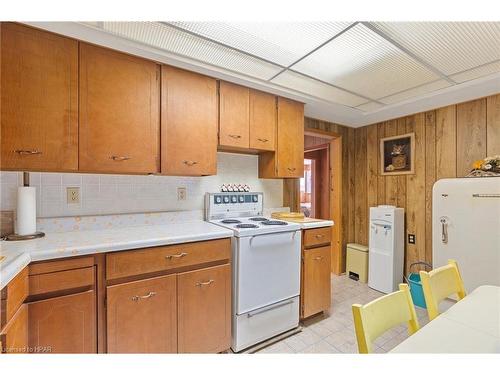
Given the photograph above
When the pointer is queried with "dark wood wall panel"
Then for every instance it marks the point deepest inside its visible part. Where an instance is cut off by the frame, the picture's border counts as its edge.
(448, 141)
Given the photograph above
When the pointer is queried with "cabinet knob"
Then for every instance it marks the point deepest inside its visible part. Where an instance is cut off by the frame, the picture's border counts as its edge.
(120, 158)
(149, 295)
(292, 169)
(318, 258)
(180, 255)
(263, 139)
(28, 152)
(190, 163)
(318, 236)
(204, 283)
(235, 136)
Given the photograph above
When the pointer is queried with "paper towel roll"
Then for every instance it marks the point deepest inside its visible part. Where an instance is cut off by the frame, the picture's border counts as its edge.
(26, 210)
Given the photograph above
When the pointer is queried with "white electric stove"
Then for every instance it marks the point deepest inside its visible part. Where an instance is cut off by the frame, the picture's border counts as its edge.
(265, 267)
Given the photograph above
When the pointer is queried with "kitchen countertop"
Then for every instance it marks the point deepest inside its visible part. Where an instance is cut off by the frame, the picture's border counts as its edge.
(19, 254)
(316, 223)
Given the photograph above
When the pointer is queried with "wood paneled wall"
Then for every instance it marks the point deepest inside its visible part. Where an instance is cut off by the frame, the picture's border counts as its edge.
(447, 141)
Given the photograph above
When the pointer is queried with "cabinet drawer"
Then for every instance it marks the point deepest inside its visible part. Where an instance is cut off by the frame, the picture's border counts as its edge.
(143, 261)
(63, 280)
(317, 236)
(13, 296)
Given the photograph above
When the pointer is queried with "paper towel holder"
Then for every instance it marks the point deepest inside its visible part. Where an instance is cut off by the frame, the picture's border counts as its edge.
(18, 237)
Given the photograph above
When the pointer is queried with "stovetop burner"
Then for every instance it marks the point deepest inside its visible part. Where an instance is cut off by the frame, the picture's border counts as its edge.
(274, 222)
(230, 221)
(258, 219)
(247, 226)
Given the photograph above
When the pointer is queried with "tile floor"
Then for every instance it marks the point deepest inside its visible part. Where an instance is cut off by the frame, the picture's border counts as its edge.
(333, 332)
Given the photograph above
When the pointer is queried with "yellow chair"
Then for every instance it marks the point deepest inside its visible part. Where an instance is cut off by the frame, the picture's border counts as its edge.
(439, 284)
(380, 315)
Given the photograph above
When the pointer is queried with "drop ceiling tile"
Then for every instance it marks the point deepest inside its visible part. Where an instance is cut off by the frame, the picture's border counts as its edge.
(415, 92)
(279, 42)
(369, 107)
(312, 87)
(478, 72)
(451, 47)
(175, 41)
(361, 61)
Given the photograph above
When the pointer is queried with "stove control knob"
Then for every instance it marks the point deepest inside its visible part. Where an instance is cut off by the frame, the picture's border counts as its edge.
(234, 199)
(218, 199)
(226, 199)
(255, 198)
(241, 199)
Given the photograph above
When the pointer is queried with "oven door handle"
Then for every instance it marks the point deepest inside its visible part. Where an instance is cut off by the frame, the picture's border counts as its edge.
(250, 314)
(294, 233)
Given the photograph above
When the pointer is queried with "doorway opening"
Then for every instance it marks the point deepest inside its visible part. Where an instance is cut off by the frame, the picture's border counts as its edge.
(315, 185)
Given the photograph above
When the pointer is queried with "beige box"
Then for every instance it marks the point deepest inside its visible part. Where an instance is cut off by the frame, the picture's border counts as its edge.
(357, 262)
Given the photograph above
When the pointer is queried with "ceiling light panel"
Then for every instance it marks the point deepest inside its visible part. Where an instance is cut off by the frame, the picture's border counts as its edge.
(416, 91)
(478, 72)
(175, 41)
(312, 87)
(451, 47)
(363, 62)
(280, 42)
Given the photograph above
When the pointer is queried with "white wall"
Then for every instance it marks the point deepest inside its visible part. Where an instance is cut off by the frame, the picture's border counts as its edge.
(112, 194)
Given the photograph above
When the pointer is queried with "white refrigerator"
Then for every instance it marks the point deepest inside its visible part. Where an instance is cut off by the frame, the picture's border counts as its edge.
(466, 227)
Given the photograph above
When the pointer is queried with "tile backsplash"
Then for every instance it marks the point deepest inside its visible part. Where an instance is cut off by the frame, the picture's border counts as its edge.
(112, 194)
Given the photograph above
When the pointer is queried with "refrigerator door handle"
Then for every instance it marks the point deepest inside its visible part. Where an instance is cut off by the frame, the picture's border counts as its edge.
(444, 229)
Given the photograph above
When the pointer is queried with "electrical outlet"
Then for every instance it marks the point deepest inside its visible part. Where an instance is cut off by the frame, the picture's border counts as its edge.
(411, 239)
(73, 195)
(181, 194)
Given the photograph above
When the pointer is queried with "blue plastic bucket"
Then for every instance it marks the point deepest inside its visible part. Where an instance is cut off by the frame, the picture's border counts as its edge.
(415, 284)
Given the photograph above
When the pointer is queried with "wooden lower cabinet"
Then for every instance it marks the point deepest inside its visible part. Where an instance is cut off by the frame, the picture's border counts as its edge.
(204, 310)
(316, 285)
(142, 316)
(64, 324)
(14, 337)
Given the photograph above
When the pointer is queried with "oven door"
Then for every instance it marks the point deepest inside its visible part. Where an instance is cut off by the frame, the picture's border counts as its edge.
(267, 269)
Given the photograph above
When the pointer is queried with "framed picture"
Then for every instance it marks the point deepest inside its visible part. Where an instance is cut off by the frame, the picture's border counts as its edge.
(397, 154)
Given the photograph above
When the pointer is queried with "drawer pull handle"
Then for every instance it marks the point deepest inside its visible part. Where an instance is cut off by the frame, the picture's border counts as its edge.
(318, 236)
(203, 283)
(180, 255)
(291, 169)
(252, 314)
(318, 258)
(190, 163)
(28, 152)
(120, 158)
(149, 295)
(263, 139)
(235, 136)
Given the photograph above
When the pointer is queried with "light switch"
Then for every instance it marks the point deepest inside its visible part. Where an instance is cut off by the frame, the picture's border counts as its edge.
(181, 194)
(73, 195)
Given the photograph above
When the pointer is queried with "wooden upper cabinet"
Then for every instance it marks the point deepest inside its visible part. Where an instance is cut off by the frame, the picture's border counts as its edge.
(64, 324)
(204, 310)
(119, 112)
(142, 316)
(288, 159)
(262, 121)
(39, 100)
(188, 123)
(234, 115)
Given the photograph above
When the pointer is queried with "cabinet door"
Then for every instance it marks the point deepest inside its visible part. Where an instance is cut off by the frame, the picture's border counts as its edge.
(39, 100)
(290, 144)
(316, 286)
(234, 115)
(141, 316)
(262, 121)
(204, 310)
(63, 324)
(119, 112)
(188, 123)
(14, 337)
